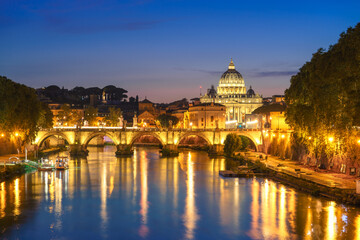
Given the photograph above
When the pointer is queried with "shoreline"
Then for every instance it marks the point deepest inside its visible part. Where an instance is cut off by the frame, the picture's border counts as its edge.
(309, 182)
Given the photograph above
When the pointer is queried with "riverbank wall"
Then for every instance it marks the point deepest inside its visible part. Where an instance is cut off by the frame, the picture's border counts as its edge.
(7, 146)
(12, 171)
(307, 181)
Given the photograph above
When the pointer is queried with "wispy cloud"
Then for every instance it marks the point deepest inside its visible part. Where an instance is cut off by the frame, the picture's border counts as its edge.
(211, 72)
(272, 73)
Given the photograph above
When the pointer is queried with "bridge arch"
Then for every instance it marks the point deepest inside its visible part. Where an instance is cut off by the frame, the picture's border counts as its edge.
(182, 137)
(251, 138)
(86, 142)
(52, 134)
(139, 135)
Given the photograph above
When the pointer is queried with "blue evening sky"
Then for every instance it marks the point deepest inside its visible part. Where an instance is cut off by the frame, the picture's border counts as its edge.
(165, 50)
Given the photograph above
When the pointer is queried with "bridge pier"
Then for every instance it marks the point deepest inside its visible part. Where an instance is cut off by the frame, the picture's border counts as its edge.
(78, 150)
(124, 150)
(170, 150)
(216, 149)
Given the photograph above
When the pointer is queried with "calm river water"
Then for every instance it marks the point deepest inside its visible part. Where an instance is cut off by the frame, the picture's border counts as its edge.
(147, 197)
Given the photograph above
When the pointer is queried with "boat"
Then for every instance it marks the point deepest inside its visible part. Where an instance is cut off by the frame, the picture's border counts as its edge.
(46, 165)
(61, 163)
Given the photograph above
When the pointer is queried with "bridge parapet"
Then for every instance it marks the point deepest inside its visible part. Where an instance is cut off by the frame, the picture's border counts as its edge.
(79, 137)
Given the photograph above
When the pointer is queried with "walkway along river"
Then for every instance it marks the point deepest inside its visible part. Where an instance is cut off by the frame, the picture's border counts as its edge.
(147, 197)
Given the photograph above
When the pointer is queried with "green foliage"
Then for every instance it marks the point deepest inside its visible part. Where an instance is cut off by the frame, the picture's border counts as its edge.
(19, 110)
(113, 118)
(46, 117)
(232, 144)
(68, 116)
(323, 99)
(91, 115)
(245, 142)
(164, 120)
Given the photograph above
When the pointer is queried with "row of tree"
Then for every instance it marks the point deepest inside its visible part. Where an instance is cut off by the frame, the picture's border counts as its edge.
(81, 95)
(71, 117)
(323, 99)
(21, 112)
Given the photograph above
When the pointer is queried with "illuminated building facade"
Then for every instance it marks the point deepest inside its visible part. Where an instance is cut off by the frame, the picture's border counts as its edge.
(231, 92)
(206, 115)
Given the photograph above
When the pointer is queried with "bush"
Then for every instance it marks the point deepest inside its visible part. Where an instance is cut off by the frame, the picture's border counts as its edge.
(232, 144)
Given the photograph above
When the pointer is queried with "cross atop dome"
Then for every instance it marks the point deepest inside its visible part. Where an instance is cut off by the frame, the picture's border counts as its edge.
(231, 65)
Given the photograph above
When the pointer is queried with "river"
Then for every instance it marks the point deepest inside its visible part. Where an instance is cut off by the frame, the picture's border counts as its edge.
(148, 197)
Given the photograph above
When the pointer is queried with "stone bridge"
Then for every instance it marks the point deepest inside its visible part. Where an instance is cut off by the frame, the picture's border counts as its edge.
(79, 138)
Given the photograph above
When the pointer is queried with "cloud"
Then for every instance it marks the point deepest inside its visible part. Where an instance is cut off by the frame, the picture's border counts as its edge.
(211, 72)
(273, 73)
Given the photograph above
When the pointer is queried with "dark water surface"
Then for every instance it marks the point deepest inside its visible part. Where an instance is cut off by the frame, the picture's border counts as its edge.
(147, 197)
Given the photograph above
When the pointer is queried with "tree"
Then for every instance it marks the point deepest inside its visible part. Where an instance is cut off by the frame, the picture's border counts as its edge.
(232, 144)
(245, 142)
(19, 111)
(323, 99)
(46, 117)
(91, 115)
(165, 119)
(113, 118)
(114, 93)
(64, 116)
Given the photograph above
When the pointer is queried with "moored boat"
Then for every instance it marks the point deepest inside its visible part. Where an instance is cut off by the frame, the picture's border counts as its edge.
(61, 163)
(46, 165)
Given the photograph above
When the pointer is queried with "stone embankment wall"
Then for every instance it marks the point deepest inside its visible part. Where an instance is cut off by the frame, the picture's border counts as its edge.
(7, 146)
(285, 147)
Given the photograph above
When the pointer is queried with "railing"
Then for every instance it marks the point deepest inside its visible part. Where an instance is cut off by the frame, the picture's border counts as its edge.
(152, 129)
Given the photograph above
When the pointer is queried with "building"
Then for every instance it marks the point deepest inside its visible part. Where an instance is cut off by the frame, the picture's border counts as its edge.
(273, 116)
(253, 121)
(147, 113)
(206, 115)
(231, 92)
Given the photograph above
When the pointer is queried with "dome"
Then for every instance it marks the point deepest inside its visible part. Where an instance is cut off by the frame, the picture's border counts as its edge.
(231, 82)
(250, 92)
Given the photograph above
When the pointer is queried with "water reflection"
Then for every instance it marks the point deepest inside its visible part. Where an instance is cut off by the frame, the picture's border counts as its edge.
(148, 197)
(143, 230)
(190, 215)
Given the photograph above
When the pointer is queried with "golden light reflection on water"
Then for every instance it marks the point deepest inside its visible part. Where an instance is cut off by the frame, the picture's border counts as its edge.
(332, 220)
(175, 182)
(143, 230)
(357, 227)
(103, 196)
(16, 197)
(282, 226)
(189, 187)
(190, 216)
(3, 200)
(309, 221)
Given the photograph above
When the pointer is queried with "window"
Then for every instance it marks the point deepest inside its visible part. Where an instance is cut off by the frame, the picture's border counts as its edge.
(202, 119)
(212, 118)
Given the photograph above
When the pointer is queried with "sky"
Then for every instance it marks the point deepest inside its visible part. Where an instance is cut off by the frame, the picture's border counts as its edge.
(165, 50)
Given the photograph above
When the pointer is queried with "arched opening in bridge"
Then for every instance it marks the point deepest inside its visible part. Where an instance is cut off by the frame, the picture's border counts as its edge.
(100, 140)
(53, 141)
(193, 141)
(147, 140)
(247, 143)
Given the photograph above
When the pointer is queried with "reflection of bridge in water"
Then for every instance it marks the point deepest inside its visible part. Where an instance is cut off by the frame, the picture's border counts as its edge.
(79, 138)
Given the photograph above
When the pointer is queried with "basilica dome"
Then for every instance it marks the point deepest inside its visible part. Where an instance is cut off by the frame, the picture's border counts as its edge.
(231, 82)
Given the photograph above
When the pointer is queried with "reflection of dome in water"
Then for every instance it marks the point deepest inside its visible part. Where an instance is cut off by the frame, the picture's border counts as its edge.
(231, 82)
